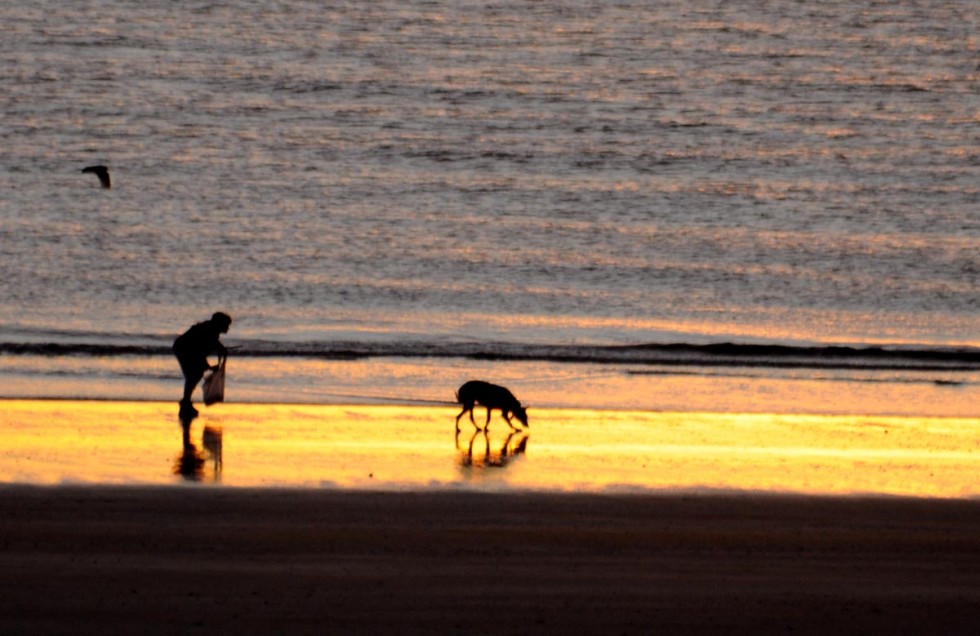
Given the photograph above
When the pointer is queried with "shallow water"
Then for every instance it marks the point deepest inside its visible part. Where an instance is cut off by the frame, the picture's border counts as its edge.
(399, 447)
(540, 384)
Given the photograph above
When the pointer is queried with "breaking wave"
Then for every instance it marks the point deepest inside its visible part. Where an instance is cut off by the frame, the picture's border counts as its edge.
(723, 354)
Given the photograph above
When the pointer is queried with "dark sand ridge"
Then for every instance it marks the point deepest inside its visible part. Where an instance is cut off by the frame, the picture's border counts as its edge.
(173, 559)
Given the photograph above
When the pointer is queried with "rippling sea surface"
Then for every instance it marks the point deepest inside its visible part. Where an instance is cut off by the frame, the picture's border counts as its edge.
(543, 181)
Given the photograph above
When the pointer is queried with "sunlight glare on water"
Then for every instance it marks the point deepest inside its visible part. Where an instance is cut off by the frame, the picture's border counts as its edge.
(559, 171)
(395, 447)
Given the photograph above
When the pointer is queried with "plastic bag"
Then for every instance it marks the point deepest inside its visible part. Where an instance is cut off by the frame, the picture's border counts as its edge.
(214, 385)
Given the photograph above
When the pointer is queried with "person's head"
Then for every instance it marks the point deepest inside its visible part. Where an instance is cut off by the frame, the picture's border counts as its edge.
(222, 321)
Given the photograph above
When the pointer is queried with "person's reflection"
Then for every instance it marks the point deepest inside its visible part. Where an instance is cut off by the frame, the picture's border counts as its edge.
(492, 455)
(212, 440)
(191, 463)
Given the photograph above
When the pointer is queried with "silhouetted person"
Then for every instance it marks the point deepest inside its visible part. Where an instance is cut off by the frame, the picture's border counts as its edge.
(102, 173)
(192, 349)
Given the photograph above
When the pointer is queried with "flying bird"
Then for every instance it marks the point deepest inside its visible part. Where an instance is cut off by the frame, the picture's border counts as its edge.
(102, 173)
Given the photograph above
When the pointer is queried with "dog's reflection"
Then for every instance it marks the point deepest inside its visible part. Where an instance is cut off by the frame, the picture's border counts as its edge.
(485, 451)
(192, 463)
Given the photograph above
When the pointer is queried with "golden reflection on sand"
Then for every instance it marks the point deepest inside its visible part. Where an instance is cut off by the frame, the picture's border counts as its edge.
(385, 447)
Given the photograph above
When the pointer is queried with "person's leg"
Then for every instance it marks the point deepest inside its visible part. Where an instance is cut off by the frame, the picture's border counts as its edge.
(190, 383)
(193, 370)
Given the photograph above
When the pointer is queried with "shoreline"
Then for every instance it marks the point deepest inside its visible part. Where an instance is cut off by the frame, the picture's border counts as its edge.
(160, 560)
(538, 383)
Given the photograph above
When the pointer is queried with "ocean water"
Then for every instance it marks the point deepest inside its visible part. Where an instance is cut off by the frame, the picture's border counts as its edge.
(493, 188)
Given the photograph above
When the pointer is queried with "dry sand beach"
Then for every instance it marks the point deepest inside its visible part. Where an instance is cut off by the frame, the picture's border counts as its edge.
(374, 519)
(176, 560)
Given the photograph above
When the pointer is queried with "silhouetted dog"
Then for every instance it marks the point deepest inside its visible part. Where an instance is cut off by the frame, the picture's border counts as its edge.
(493, 397)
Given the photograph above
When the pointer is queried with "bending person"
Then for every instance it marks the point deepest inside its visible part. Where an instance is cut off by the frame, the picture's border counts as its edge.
(192, 349)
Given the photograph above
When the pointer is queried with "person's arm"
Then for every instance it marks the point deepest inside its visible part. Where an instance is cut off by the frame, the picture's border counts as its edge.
(222, 352)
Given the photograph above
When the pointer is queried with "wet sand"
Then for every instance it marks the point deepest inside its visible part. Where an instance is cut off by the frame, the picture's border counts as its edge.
(206, 559)
(385, 447)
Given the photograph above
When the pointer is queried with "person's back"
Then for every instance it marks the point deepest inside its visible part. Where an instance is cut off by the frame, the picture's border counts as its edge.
(200, 340)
